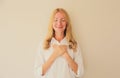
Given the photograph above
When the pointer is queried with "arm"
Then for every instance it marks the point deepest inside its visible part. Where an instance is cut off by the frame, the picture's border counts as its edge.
(75, 64)
(71, 62)
(48, 63)
(39, 61)
(58, 51)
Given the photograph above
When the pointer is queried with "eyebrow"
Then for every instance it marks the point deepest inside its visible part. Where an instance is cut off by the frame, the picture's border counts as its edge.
(60, 18)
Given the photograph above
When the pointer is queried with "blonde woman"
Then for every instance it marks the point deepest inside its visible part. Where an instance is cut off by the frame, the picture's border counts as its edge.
(59, 56)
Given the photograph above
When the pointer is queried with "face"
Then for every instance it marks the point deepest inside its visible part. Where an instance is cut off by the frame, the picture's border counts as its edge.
(59, 23)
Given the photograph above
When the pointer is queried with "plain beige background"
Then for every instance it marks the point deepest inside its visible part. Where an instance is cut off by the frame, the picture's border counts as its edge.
(96, 23)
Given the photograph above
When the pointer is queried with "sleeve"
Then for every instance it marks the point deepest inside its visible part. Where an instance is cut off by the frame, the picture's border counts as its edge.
(78, 59)
(39, 61)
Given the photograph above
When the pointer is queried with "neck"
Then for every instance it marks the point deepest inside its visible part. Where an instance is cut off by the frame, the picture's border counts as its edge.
(59, 36)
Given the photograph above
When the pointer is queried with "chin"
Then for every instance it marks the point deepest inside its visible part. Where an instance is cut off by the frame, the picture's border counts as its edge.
(59, 30)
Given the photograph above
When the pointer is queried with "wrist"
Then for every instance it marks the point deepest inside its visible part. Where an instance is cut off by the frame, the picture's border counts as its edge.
(67, 55)
(54, 55)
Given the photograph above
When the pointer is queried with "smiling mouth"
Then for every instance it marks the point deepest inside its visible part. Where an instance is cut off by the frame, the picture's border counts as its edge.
(59, 27)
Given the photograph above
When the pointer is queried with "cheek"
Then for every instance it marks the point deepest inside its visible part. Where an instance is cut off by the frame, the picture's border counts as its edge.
(65, 25)
(53, 26)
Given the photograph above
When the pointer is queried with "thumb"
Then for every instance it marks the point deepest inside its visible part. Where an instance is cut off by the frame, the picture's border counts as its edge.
(54, 45)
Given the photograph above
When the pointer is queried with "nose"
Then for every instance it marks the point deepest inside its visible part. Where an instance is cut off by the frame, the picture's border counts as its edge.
(59, 22)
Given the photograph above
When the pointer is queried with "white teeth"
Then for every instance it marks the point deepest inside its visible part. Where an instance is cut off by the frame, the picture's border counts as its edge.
(59, 27)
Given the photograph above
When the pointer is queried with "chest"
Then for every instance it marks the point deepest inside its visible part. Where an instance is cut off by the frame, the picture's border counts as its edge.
(47, 53)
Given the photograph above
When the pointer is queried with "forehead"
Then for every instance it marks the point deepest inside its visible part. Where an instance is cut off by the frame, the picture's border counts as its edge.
(60, 15)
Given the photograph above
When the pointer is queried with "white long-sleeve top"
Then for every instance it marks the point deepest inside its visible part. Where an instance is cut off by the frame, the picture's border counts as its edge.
(60, 67)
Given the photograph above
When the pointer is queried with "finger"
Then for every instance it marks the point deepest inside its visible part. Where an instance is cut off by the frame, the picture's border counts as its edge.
(54, 45)
(64, 45)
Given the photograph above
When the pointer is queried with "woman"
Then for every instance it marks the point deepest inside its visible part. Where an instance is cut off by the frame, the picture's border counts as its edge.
(59, 56)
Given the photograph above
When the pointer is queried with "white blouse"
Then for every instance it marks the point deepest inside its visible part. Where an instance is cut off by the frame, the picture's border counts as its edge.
(60, 67)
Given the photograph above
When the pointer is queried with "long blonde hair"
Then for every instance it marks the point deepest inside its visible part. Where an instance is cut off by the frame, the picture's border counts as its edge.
(67, 33)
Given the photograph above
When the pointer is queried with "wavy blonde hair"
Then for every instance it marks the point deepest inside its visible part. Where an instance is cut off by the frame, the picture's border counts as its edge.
(67, 32)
